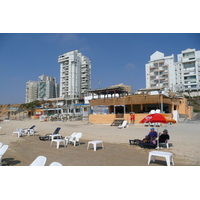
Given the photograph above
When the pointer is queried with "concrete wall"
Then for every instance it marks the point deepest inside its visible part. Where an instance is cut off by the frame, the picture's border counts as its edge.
(109, 118)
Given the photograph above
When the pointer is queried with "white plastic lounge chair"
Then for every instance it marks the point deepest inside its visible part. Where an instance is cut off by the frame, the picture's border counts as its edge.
(19, 132)
(30, 131)
(124, 125)
(39, 161)
(76, 139)
(48, 136)
(55, 164)
(70, 138)
(3, 149)
(58, 140)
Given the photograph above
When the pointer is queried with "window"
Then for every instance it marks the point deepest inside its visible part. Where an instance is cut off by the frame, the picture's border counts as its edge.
(190, 54)
(188, 65)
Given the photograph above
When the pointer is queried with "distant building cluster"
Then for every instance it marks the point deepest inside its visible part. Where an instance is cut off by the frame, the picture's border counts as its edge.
(43, 89)
(75, 80)
(162, 72)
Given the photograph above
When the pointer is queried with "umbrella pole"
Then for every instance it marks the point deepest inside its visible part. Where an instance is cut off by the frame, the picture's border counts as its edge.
(157, 138)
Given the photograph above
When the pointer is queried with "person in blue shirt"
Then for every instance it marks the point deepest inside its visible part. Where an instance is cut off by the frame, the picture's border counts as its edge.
(150, 139)
(152, 134)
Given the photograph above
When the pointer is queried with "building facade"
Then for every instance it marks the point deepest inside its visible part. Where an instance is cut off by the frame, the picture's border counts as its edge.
(180, 76)
(31, 91)
(47, 87)
(160, 71)
(43, 89)
(187, 71)
(75, 75)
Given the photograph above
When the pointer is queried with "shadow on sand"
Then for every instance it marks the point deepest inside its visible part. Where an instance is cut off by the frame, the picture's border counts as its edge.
(10, 162)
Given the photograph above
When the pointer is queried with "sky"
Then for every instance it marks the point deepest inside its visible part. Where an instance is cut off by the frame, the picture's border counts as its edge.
(118, 39)
(115, 57)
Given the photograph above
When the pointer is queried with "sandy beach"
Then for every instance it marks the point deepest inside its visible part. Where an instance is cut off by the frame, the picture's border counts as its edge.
(184, 144)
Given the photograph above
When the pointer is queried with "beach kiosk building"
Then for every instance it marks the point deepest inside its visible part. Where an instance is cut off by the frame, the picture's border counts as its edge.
(112, 104)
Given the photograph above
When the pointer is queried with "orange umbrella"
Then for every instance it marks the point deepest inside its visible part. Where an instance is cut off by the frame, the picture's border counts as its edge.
(169, 119)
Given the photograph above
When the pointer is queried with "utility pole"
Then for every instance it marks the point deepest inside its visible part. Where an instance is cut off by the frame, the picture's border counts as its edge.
(99, 82)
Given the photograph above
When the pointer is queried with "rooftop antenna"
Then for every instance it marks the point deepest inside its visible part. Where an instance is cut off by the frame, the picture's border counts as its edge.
(99, 82)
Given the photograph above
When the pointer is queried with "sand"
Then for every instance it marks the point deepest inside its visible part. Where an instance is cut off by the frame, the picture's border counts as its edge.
(184, 144)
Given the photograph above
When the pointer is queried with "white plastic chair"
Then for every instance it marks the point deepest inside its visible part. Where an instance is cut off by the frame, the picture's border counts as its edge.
(77, 138)
(55, 164)
(124, 125)
(19, 132)
(70, 138)
(1, 144)
(39, 161)
(3, 149)
(164, 143)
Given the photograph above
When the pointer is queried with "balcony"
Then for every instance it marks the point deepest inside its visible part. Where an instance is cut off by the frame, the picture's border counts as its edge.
(189, 74)
(188, 59)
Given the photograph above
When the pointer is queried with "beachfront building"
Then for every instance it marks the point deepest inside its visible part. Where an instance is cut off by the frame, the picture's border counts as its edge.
(187, 71)
(75, 75)
(118, 106)
(181, 76)
(47, 87)
(31, 91)
(160, 71)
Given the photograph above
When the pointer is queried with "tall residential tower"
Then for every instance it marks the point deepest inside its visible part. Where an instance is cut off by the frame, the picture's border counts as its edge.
(187, 70)
(75, 75)
(160, 71)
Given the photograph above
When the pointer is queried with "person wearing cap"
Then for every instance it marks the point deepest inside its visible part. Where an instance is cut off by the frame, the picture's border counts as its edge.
(151, 137)
(164, 136)
(152, 134)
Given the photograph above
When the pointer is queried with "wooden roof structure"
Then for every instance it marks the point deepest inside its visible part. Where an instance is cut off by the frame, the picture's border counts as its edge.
(109, 90)
(135, 99)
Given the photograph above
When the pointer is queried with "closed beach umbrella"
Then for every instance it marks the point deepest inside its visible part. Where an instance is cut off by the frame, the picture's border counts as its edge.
(158, 118)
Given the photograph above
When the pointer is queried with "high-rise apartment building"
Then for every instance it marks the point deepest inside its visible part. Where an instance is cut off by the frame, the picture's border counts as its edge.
(187, 70)
(31, 91)
(47, 87)
(43, 89)
(160, 71)
(183, 75)
(75, 75)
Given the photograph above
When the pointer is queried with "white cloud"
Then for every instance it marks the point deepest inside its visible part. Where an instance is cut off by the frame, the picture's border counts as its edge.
(69, 39)
(130, 66)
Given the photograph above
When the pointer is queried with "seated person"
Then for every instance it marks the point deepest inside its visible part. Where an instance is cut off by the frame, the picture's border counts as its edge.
(151, 136)
(150, 139)
(164, 136)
